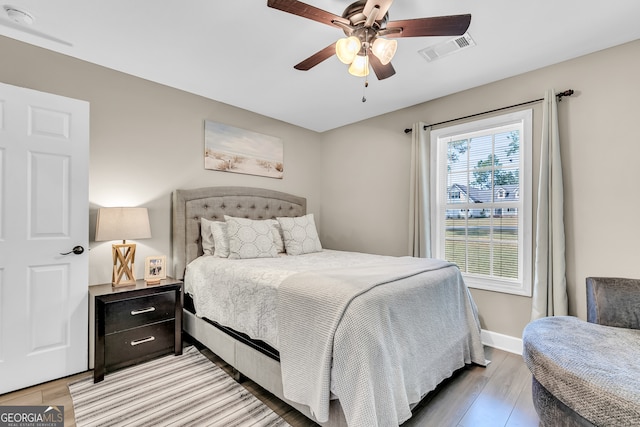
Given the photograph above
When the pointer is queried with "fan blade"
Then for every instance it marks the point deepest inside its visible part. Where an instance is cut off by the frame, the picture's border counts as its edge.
(382, 71)
(383, 5)
(316, 58)
(453, 25)
(306, 11)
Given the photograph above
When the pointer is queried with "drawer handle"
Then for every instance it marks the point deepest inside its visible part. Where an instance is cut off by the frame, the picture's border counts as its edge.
(143, 340)
(144, 310)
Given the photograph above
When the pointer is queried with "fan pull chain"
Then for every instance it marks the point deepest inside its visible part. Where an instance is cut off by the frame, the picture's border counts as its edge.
(366, 85)
(366, 80)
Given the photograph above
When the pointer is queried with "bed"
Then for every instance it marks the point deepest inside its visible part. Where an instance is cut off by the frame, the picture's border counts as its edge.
(384, 331)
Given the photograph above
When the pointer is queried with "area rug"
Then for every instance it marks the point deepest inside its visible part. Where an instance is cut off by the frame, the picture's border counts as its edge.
(186, 390)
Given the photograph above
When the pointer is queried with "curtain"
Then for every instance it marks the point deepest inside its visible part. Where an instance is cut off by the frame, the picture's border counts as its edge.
(549, 280)
(419, 206)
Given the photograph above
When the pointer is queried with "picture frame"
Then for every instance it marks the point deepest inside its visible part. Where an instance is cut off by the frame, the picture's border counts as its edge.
(231, 149)
(155, 269)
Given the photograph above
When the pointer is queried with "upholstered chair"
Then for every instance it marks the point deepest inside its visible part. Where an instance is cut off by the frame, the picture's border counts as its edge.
(613, 301)
(587, 373)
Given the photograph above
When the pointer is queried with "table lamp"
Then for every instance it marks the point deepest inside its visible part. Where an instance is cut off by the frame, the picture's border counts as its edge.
(123, 224)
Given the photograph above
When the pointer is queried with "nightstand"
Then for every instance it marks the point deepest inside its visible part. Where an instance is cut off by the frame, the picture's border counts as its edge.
(134, 324)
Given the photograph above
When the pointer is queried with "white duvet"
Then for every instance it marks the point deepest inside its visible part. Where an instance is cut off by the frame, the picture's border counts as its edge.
(242, 293)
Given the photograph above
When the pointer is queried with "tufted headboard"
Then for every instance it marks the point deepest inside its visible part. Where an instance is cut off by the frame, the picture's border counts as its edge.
(216, 202)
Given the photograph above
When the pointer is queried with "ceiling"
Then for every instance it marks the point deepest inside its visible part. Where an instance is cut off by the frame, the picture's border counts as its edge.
(242, 52)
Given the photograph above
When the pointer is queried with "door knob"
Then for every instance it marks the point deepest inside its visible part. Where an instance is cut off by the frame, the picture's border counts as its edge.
(77, 250)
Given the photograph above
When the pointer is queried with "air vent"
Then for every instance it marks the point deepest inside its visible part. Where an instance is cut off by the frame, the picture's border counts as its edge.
(448, 47)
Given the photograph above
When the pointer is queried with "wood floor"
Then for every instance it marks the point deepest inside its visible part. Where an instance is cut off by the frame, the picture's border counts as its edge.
(495, 396)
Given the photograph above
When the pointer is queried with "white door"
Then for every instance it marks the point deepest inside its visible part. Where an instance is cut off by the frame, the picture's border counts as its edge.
(44, 210)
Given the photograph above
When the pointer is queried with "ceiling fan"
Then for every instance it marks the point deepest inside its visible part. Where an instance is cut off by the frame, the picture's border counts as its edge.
(369, 33)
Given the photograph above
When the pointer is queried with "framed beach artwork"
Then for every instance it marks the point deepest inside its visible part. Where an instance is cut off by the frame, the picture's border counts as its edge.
(231, 149)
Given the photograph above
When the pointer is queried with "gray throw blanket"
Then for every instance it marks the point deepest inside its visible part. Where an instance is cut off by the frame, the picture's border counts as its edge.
(378, 337)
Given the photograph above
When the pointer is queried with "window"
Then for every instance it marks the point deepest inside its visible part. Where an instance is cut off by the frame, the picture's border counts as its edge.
(482, 207)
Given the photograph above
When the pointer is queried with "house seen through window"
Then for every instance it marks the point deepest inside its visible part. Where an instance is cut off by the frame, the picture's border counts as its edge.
(483, 201)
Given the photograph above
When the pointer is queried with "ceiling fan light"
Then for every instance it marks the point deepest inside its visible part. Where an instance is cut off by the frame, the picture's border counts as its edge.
(360, 66)
(384, 49)
(347, 49)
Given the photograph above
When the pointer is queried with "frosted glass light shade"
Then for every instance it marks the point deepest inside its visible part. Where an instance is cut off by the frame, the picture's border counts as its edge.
(122, 224)
(347, 48)
(360, 66)
(384, 49)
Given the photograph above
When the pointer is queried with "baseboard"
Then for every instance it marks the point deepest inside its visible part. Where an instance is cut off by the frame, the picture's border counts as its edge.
(501, 341)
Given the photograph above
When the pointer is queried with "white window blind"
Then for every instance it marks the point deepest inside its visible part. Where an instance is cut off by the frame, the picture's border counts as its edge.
(482, 200)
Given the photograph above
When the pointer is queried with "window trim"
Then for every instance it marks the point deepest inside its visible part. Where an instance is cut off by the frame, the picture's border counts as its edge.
(523, 285)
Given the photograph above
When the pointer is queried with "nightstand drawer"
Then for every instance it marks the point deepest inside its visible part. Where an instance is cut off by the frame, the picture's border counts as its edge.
(134, 312)
(138, 344)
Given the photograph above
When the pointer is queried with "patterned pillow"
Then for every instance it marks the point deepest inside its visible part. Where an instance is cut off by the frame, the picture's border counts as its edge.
(207, 236)
(300, 235)
(250, 238)
(220, 239)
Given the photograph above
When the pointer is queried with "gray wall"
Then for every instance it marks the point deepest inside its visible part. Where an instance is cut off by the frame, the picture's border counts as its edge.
(147, 140)
(366, 169)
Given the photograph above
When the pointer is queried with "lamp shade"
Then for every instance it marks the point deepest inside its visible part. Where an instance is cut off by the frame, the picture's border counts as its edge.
(347, 48)
(122, 224)
(360, 66)
(384, 49)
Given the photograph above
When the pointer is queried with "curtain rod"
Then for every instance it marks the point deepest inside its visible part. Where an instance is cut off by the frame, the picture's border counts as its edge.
(568, 92)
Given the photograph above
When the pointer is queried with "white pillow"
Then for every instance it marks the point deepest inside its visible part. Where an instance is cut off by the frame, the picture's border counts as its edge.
(220, 239)
(207, 236)
(300, 235)
(250, 238)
